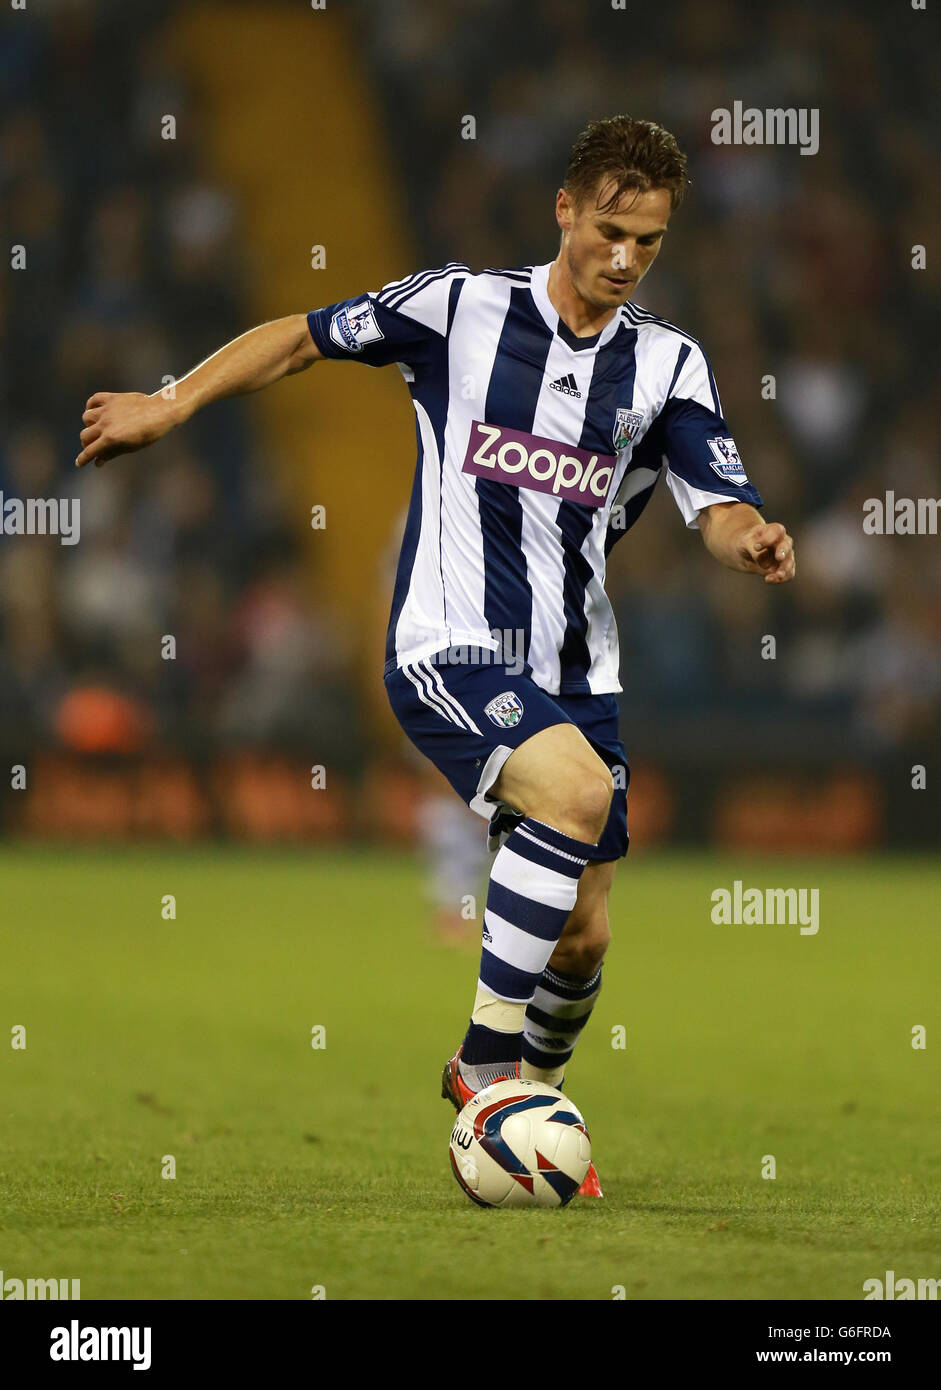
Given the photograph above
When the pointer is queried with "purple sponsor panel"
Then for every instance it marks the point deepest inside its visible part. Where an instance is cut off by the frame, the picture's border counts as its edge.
(545, 465)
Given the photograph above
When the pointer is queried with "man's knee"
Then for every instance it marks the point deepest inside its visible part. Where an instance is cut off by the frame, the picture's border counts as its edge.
(559, 779)
(592, 791)
(578, 804)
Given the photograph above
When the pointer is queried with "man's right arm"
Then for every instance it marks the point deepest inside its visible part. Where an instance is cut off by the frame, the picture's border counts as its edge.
(120, 423)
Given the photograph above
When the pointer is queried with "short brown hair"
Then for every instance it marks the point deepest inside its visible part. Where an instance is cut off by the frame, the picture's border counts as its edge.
(636, 154)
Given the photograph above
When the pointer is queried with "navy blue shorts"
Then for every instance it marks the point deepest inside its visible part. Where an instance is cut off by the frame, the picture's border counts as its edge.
(469, 716)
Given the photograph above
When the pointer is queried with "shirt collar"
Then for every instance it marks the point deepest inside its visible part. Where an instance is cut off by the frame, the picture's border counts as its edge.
(539, 288)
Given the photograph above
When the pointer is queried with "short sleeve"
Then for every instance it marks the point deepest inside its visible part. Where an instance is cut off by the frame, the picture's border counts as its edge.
(406, 321)
(703, 463)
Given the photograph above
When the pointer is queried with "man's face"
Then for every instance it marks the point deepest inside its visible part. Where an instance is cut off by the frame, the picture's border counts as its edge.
(609, 253)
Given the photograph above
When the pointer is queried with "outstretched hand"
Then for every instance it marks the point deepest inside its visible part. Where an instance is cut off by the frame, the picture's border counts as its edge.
(121, 423)
(769, 550)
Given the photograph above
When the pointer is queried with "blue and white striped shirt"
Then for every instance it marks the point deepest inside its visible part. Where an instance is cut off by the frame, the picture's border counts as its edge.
(536, 451)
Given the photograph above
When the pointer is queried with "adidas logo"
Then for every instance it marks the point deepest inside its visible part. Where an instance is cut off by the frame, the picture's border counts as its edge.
(486, 935)
(567, 385)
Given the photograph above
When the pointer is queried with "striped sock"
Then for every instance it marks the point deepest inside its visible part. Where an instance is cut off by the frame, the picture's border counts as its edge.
(533, 887)
(559, 1010)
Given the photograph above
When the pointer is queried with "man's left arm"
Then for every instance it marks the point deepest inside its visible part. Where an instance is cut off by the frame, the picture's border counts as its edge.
(707, 476)
(738, 536)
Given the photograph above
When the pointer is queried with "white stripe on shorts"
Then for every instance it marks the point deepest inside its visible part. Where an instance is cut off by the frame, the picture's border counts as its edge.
(432, 702)
(446, 695)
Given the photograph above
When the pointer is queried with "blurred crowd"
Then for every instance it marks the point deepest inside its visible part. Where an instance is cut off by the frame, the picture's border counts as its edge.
(133, 273)
(786, 267)
(783, 265)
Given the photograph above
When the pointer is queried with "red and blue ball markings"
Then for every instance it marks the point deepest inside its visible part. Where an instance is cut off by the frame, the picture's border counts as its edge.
(488, 1125)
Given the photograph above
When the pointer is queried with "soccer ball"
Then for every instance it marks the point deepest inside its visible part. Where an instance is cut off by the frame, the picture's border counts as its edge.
(520, 1144)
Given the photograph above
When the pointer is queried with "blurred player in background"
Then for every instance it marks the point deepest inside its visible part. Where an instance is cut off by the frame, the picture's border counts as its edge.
(455, 858)
(548, 405)
(453, 852)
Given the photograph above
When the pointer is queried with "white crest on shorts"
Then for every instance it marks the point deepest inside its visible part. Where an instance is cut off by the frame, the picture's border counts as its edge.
(505, 710)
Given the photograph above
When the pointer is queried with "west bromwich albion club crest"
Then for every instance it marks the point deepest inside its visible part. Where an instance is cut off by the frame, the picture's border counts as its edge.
(626, 425)
(505, 711)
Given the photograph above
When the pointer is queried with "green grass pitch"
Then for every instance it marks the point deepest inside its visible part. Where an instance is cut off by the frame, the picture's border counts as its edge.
(299, 1167)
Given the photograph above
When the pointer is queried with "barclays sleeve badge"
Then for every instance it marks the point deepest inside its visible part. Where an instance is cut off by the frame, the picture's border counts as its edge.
(355, 326)
(726, 462)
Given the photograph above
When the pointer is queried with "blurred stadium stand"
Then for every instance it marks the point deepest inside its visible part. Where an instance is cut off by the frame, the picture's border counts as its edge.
(342, 128)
